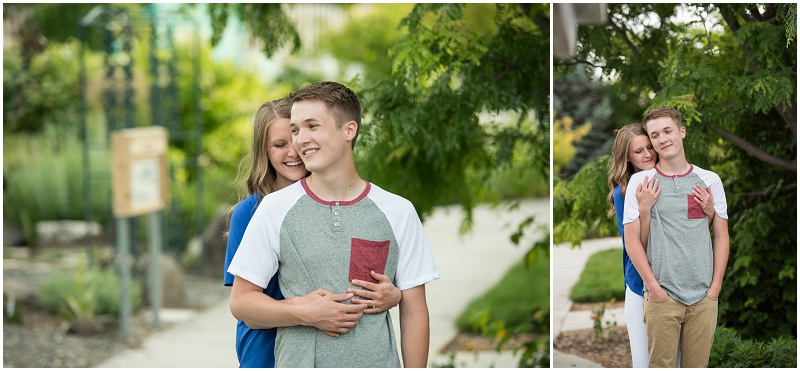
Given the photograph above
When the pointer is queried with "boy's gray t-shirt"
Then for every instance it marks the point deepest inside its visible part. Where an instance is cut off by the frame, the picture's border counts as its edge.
(320, 244)
(679, 247)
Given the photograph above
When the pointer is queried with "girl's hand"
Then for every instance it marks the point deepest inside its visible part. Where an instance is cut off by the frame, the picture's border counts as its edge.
(647, 194)
(704, 199)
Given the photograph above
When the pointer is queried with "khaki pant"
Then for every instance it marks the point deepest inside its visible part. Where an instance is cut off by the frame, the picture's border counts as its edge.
(671, 324)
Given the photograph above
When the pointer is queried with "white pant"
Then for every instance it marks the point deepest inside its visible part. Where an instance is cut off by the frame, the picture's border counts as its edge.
(637, 330)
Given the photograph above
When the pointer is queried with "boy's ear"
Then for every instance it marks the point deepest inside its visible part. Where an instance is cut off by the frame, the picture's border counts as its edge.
(350, 129)
(683, 132)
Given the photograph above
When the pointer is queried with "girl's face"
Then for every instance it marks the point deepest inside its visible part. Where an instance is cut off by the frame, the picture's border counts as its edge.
(641, 153)
(282, 155)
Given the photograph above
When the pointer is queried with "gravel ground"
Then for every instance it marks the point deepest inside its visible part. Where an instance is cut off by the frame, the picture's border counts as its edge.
(42, 339)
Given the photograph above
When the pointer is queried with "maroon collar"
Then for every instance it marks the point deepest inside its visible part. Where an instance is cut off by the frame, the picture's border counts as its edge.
(691, 167)
(337, 203)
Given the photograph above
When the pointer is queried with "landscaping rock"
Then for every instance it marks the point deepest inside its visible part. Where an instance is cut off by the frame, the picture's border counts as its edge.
(173, 283)
(65, 232)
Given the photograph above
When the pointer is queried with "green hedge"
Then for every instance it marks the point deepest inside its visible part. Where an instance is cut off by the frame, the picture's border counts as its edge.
(731, 351)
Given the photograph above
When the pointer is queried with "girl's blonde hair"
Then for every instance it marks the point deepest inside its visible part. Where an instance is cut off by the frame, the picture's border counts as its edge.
(620, 169)
(262, 177)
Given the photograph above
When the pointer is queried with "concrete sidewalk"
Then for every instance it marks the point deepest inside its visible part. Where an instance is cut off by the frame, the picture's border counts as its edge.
(568, 263)
(467, 265)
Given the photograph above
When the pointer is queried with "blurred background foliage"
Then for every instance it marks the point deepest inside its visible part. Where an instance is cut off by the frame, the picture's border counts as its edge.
(731, 70)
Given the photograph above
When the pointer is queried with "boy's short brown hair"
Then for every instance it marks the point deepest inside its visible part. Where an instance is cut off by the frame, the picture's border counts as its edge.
(663, 111)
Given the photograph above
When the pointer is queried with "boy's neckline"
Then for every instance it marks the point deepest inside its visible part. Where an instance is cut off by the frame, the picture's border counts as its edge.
(691, 167)
(339, 202)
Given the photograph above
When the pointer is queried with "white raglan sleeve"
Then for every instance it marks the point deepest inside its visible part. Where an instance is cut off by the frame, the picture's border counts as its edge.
(258, 255)
(415, 264)
(631, 202)
(717, 193)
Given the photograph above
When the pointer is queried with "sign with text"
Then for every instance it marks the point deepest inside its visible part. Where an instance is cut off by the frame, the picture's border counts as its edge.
(139, 171)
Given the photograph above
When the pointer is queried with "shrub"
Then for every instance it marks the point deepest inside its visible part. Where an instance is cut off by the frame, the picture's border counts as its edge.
(730, 350)
(43, 180)
(84, 293)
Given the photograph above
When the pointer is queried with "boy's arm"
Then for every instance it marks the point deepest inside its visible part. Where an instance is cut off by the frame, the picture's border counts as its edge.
(414, 327)
(319, 309)
(639, 259)
(721, 248)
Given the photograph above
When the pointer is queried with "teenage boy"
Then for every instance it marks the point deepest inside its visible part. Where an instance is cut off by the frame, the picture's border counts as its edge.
(682, 268)
(327, 230)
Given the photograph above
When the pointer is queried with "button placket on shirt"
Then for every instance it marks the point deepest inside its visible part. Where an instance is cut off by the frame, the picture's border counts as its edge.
(336, 220)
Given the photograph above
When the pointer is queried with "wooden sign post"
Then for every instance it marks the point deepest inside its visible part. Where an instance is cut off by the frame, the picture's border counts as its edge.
(139, 186)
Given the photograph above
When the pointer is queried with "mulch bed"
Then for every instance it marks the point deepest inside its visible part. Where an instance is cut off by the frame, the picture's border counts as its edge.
(613, 352)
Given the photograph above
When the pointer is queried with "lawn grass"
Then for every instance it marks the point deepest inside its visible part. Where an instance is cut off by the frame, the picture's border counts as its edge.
(601, 278)
(514, 298)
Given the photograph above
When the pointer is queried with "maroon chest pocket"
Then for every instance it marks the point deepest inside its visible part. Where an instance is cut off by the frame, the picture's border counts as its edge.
(366, 256)
(695, 211)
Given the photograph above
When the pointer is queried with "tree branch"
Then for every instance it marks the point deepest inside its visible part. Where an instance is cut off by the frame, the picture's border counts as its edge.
(768, 191)
(730, 19)
(509, 67)
(772, 10)
(789, 115)
(574, 62)
(757, 152)
(754, 11)
(623, 33)
(624, 36)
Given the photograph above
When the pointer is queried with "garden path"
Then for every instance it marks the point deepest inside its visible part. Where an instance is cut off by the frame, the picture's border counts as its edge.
(568, 263)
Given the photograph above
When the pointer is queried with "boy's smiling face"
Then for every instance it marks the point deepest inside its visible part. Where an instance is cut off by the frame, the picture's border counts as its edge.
(316, 136)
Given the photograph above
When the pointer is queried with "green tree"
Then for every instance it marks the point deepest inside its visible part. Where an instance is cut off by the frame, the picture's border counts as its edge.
(731, 70)
(585, 102)
(269, 22)
(365, 40)
(425, 121)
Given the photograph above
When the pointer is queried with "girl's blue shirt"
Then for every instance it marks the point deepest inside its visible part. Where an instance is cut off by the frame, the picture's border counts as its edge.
(254, 348)
(631, 275)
